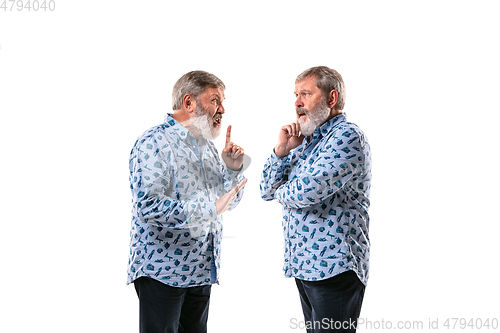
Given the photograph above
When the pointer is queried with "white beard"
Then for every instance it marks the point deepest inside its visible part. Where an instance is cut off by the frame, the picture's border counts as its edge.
(314, 118)
(205, 124)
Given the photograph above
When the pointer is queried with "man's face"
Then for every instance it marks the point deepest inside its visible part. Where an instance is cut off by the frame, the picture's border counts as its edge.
(208, 113)
(310, 105)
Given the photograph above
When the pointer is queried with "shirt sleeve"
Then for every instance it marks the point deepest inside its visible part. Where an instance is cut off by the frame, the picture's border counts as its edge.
(331, 168)
(273, 175)
(155, 198)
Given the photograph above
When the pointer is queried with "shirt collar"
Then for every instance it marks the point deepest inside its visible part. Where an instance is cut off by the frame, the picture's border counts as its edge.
(327, 126)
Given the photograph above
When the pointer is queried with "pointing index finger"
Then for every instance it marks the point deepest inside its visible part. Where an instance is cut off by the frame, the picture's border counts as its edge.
(228, 135)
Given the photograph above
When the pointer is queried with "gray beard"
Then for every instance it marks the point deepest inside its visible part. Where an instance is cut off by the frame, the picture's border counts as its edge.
(315, 118)
(204, 124)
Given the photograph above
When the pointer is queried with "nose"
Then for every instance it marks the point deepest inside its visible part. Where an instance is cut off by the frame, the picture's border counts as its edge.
(299, 103)
(221, 109)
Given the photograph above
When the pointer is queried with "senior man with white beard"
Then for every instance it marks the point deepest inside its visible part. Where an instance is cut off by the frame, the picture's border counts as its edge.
(320, 171)
(180, 188)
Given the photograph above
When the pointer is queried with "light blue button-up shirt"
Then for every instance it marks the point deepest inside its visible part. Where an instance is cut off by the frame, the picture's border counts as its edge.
(175, 181)
(324, 188)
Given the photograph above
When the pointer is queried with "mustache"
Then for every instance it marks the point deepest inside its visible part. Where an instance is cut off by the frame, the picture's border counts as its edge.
(218, 115)
(301, 111)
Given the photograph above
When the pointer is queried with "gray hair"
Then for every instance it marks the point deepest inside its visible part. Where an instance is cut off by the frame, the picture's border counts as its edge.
(327, 79)
(193, 83)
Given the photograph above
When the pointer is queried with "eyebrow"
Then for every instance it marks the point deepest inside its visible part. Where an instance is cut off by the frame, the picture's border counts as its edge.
(216, 96)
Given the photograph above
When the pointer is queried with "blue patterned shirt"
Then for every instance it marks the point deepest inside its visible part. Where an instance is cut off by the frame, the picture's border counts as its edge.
(324, 188)
(175, 181)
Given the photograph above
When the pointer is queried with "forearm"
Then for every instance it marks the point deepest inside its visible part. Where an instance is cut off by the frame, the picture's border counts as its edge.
(161, 210)
(274, 174)
(316, 185)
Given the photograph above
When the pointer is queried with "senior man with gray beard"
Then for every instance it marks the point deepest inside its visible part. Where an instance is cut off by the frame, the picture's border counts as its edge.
(320, 171)
(180, 187)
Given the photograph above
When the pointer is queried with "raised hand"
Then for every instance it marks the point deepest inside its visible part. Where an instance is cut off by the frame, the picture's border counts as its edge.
(232, 154)
(289, 138)
(224, 201)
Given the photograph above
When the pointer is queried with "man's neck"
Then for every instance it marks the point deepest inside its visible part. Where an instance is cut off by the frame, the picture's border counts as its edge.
(184, 119)
(334, 113)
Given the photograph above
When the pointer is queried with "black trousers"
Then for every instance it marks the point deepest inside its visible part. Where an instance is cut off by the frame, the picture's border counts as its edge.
(331, 305)
(166, 309)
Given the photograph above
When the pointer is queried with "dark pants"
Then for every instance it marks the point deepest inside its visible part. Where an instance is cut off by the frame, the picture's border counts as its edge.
(331, 305)
(165, 309)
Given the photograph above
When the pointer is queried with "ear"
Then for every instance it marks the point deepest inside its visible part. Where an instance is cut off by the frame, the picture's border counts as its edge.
(189, 103)
(332, 98)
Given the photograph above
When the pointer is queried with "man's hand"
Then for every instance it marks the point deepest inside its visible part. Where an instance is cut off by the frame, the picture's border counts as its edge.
(224, 201)
(232, 154)
(288, 139)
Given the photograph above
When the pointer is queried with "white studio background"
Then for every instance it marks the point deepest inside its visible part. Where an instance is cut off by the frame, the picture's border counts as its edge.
(79, 84)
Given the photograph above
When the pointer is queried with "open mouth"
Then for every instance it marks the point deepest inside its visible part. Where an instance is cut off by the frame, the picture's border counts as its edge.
(218, 119)
(301, 113)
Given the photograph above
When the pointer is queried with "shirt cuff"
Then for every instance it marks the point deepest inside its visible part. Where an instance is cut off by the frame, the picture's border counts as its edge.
(276, 158)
